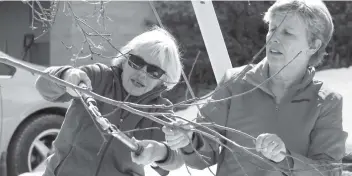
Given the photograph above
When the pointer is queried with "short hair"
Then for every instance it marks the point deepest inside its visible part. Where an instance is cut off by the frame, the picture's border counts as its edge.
(163, 46)
(315, 15)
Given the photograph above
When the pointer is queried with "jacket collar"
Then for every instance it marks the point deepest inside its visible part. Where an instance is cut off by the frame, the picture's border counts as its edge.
(260, 72)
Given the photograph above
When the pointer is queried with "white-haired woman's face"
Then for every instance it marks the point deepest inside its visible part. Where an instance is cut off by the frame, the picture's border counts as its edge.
(141, 73)
(289, 39)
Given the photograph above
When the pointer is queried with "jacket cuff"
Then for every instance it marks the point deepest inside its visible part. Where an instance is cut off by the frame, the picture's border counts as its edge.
(167, 156)
(196, 143)
(171, 162)
(61, 72)
(52, 91)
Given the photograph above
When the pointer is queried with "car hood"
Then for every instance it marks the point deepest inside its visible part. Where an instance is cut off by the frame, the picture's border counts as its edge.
(6, 56)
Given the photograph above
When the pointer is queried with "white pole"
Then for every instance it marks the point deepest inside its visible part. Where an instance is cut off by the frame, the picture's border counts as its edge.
(212, 36)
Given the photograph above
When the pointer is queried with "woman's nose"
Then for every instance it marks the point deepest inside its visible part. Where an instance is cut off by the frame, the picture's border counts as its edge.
(273, 39)
(142, 73)
(276, 40)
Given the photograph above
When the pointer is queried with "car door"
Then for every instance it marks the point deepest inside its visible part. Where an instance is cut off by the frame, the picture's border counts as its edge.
(6, 72)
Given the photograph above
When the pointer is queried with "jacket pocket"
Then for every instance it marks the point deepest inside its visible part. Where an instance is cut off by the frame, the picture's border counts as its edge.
(62, 161)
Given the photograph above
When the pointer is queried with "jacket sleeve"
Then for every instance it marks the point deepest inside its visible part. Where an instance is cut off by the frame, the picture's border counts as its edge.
(53, 92)
(173, 159)
(327, 142)
(217, 113)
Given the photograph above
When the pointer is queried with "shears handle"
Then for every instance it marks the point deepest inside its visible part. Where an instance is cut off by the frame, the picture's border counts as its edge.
(133, 146)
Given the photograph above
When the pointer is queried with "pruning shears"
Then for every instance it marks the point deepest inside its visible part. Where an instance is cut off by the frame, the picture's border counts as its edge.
(91, 106)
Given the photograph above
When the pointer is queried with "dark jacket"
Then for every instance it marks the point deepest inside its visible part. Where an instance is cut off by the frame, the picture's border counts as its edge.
(79, 146)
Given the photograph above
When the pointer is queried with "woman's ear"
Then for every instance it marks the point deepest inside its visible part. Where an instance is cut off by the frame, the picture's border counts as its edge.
(314, 47)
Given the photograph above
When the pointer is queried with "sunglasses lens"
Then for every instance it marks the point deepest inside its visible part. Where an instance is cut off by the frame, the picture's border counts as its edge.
(136, 62)
(155, 71)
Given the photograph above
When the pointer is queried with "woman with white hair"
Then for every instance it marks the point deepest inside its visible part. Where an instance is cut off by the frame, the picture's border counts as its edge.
(296, 121)
(149, 65)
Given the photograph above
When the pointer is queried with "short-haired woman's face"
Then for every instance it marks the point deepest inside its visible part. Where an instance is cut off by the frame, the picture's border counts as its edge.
(288, 40)
(141, 73)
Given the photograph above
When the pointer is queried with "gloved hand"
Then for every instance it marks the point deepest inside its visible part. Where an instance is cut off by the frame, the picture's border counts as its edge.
(76, 76)
(153, 151)
(176, 138)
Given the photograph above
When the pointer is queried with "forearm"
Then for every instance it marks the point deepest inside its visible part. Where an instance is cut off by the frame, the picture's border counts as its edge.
(50, 90)
(205, 155)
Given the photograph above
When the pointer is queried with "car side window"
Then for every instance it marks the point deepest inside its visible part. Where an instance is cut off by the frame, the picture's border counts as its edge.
(7, 70)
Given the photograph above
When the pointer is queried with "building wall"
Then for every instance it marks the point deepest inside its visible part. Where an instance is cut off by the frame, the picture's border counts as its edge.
(15, 23)
(128, 20)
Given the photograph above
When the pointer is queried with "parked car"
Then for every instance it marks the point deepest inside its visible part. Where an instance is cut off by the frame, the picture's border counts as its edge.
(28, 123)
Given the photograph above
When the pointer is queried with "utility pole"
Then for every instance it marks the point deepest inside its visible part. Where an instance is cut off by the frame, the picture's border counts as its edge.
(213, 38)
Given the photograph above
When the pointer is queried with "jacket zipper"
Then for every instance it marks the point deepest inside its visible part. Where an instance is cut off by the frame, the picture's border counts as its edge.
(58, 167)
(276, 108)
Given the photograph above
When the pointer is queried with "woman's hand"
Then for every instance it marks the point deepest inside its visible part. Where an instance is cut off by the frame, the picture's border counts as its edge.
(176, 138)
(76, 76)
(153, 151)
(271, 146)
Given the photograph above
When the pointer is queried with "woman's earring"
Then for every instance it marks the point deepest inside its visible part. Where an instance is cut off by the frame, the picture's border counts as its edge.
(163, 83)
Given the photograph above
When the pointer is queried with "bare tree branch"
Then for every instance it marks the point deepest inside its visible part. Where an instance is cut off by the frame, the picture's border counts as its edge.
(47, 18)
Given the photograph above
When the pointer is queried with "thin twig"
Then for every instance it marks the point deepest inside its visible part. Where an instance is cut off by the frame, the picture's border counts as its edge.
(190, 73)
(246, 92)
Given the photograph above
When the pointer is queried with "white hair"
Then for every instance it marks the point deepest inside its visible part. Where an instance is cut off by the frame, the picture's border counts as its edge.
(162, 46)
(315, 15)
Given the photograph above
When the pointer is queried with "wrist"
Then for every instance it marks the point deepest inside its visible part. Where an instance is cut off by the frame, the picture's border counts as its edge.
(284, 159)
(188, 149)
(287, 161)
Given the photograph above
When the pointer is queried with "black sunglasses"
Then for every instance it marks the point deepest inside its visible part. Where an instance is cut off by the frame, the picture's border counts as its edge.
(138, 63)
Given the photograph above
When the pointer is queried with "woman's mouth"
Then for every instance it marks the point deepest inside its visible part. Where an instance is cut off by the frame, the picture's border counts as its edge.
(275, 52)
(137, 83)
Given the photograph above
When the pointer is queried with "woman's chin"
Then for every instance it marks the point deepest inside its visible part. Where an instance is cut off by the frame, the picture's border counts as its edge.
(131, 89)
(135, 91)
(276, 60)
(274, 57)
